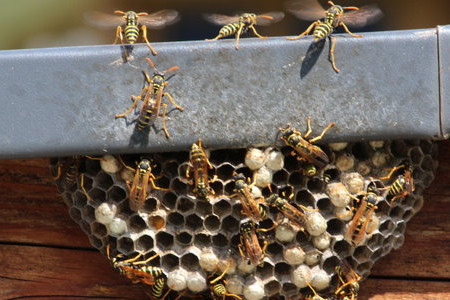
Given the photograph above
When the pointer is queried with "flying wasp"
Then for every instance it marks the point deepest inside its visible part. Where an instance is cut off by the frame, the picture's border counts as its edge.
(303, 147)
(328, 20)
(295, 214)
(152, 95)
(360, 222)
(403, 185)
(249, 246)
(139, 187)
(218, 289)
(240, 24)
(251, 207)
(348, 285)
(129, 25)
(131, 269)
(199, 164)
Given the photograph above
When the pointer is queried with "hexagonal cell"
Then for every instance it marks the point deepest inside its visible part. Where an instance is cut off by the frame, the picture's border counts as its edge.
(88, 213)
(325, 206)
(282, 269)
(291, 163)
(297, 179)
(408, 215)
(386, 227)
(217, 187)
(169, 262)
(212, 223)
(416, 155)
(364, 269)
(202, 240)
(315, 185)
(396, 212)
(116, 194)
(230, 224)
(331, 263)
(272, 288)
(331, 174)
(193, 222)
(280, 177)
(342, 248)
(125, 245)
(218, 157)
(150, 204)
(222, 207)
(362, 254)
(184, 204)
(178, 186)
(376, 255)
(335, 226)
(164, 240)
(98, 196)
(103, 181)
(190, 262)
(289, 289)
(171, 168)
(157, 220)
(400, 230)
(375, 241)
(137, 224)
(99, 229)
(80, 199)
(236, 156)
(203, 208)
(184, 238)
(398, 148)
(274, 249)
(97, 243)
(305, 198)
(175, 219)
(225, 172)
(265, 271)
(220, 241)
(85, 227)
(144, 242)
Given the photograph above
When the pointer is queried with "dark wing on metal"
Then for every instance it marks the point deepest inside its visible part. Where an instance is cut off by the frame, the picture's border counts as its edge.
(275, 16)
(159, 19)
(366, 15)
(308, 10)
(220, 19)
(101, 19)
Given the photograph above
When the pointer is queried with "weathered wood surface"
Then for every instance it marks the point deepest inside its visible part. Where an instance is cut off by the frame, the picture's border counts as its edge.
(44, 254)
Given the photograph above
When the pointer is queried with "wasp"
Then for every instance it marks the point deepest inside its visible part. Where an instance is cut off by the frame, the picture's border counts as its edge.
(199, 164)
(218, 289)
(249, 246)
(129, 25)
(403, 185)
(335, 16)
(131, 269)
(348, 285)
(240, 24)
(315, 296)
(303, 147)
(360, 222)
(139, 187)
(69, 170)
(294, 214)
(152, 95)
(251, 207)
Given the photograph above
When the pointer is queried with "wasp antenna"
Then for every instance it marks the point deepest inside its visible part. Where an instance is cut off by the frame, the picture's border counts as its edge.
(267, 17)
(142, 14)
(330, 3)
(107, 252)
(120, 12)
(351, 8)
(151, 63)
(174, 68)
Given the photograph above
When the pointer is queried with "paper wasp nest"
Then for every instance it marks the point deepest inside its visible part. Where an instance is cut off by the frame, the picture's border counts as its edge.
(195, 237)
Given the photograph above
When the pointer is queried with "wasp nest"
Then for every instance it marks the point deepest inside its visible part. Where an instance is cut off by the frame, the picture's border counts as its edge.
(196, 238)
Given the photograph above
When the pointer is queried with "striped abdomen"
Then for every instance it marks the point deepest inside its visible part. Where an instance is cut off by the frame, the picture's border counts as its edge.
(131, 32)
(158, 288)
(154, 271)
(398, 186)
(200, 166)
(219, 289)
(229, 29)
(147, 115)
(323, 30)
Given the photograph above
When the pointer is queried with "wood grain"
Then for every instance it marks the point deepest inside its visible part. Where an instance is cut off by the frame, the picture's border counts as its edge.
(45, 254)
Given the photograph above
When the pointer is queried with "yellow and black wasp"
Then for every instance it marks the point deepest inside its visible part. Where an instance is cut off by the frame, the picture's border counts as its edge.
(240, 24)
(139, 188)
(218, 289)
(303, 147)
(249, 246)
(326, 21)
(251, 207)
(348, 285)
(152, 95)
(136, 271)
(199, 164)
(404, 184)
(129, 25)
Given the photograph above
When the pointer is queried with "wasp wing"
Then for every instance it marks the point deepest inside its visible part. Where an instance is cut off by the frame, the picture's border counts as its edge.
(366, 15)
(220, 19)
(159, 19)
(104, 20)
(308, 10)
(269, 18)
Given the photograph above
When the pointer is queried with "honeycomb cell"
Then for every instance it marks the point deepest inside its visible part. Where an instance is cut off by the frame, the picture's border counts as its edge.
(416, 155)
(190, 262)
(220, 241)
(272, 288)
(218, 157)
(386, 227)
(184, 238)
(150, 204)
(284, 233)
(230, 225)
(325, 206)
(399, 148)
(116, 194)
(203, 208)
(97, 243)
(212, 223)
(178, 186)
(137, 224)
(408, 215)
(144, 242)
(103, 181)
(263, 177)
(315, 185)
(125, 245)
(202, 240)
(222, 207)
(98, 195)
(254, 290)
(362, 254)
(296, 179)
(208, 260)
(376, 255)
(342, 248)
(338, 146)
(255, 158)
(294, 255)
(274, 249)
(193, 223)
(363, 269)
(169, 262)
(117, 227)
(236, 156)
(305, 198)
(399, 242)
(225, 172)
(80, 199)
(301, 276)
(218, 187)
(182, 170)
(289, 289)
(361, 151)
(280, 177)
(275, 160)
(265, 271)
(331, 263)
(397, 212)
(335, 226)
(312, 257)
(321, 280)
(164, 240)
(184, 204)
(171, 168)
(88, 213)
(175, 219)
(196, 283)
(345, 162)
(157, 220)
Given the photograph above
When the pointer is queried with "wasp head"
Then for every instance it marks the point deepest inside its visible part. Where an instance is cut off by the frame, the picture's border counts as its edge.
(247, 227)
(272, 199)
(336, 10)
(158, 79)
(239, 180)
(248, 18)
(145, 165)
(130, 16)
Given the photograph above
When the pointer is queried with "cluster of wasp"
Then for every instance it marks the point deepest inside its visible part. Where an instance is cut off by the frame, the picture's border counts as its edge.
(278, 207)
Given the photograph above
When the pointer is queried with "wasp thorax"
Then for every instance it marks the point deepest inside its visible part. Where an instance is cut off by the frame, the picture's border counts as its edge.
(336, 10)
(158, 79)
(272, 199)
(130, 15)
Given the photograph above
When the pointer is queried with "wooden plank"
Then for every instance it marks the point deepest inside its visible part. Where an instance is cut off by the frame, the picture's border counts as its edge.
(44, 272)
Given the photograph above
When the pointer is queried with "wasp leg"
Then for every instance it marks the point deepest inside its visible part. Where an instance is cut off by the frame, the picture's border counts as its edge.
(132, 260)
(238, 36)
(331, 54)
(82, 187)
(305, 32)
(256, 33)
(58, 173)
(323, 132)
(348, 31)
(157, 187)
(143, 262)
(397, 197)
(123, 164)
(393, 170)
(119, 35)
(173, 101)
(219, 36)
(166, 132)
(144, 37)
(308, 127)
(132, 107)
